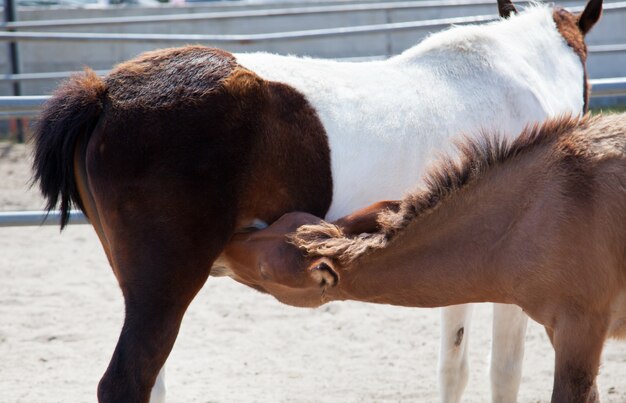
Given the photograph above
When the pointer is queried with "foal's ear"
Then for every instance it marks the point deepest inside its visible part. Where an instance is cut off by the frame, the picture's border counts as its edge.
(324, 273)
(590, 15)
(506, 8)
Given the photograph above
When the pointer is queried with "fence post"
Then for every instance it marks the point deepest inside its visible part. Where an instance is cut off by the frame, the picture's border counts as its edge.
(10, 15)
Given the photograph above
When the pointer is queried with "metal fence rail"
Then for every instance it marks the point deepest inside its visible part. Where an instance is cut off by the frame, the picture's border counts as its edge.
(15, 37)
(30, 105)
(290, 11)
(608, 87)
(240, 38)
(36, 218)
(22, 103)
(21, 106)
(257, 38)
(57, 75)
(42, 76)
(615, 48)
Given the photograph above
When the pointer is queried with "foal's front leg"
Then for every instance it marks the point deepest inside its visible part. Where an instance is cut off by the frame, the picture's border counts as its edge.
(578, 344)
(453, 365)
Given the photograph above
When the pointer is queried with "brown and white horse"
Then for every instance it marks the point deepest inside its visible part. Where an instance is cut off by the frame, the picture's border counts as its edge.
(175, 151)
(539, 222)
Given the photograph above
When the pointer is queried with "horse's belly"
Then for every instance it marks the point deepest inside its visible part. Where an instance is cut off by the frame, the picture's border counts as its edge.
(379, 148)
(368, 171)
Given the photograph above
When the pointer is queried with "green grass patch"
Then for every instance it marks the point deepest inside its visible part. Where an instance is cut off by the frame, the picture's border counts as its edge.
(608, 110)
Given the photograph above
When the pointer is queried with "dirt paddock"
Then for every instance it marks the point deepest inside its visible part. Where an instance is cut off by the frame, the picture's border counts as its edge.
(61, 311)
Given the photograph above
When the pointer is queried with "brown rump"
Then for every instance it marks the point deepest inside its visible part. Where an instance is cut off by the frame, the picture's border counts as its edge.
(169, 78)
(169, 155)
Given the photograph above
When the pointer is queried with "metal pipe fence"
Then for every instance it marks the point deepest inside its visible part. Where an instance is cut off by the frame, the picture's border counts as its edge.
(608, 87)
(37, 218)
(16, 37)
(290, 11)
(57, 75)
(240, 38)
(256, 38)
(29, 105)
(21, 106)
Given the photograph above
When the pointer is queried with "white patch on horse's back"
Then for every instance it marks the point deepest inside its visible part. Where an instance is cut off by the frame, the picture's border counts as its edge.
(387, 120)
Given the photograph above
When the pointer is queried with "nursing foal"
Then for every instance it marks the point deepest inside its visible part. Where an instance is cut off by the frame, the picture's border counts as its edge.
(539, 222)
(176, 150)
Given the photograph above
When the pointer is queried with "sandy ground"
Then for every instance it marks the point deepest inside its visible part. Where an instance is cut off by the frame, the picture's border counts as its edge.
(61, 311)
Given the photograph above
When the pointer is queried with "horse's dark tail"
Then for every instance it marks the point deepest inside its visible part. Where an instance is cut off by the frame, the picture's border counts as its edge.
(72, 111)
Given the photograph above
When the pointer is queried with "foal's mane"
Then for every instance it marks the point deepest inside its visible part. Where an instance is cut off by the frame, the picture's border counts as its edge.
(475, 157)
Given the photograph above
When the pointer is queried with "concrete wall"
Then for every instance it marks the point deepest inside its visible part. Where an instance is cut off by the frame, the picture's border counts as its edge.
(67, 56)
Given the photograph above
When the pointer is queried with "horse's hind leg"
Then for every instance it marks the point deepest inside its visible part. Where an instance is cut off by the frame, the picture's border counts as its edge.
(453, 364)
(164, 234)
(507, 353)
(159, 277)
(160, 266)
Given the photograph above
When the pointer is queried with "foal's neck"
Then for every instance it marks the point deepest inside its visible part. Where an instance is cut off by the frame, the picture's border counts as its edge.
(460, 252)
